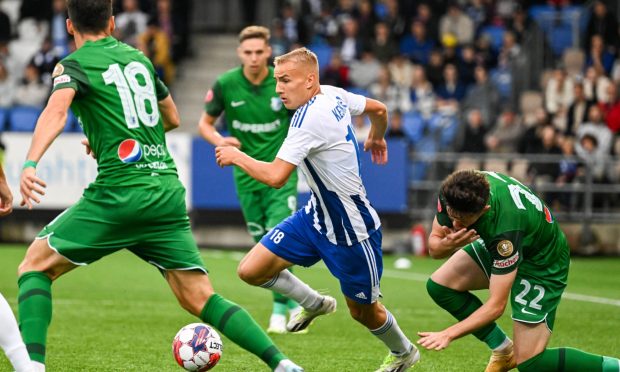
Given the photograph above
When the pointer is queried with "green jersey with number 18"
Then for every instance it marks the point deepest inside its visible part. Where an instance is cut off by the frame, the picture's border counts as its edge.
(518, 231)
(116, 96)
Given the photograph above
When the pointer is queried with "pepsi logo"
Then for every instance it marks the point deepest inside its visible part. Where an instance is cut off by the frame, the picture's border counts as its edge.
(129, 151)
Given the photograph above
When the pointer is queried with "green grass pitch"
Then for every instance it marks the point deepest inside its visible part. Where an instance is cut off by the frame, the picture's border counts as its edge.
(119, 315)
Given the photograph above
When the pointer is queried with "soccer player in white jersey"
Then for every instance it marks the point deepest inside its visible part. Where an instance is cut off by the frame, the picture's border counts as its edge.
(338, 225)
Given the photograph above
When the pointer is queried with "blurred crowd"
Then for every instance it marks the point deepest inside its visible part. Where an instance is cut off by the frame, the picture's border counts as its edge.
(446, 70)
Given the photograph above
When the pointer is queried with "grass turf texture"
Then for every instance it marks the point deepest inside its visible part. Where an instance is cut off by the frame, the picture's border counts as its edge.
(119, 315)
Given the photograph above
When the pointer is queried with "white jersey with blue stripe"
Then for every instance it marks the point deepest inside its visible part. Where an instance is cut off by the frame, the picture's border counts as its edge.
(321, 142)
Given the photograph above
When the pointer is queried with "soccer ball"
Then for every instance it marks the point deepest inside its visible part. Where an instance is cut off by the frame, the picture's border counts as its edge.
(197, 347)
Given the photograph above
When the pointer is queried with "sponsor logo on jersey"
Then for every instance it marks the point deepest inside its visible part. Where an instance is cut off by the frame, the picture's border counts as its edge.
(154, 150)
(129, 151)
(502, 264)
(505, 248)
(209, 96)
(237, 103)
(58, 70)
(256, 128)
(548, 215)
(62, 79)
(276, 103)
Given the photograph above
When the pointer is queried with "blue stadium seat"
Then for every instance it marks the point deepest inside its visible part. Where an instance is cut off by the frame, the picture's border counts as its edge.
(71, 122)
(413, 126)
(323, 54)
(560, 38)
(447, 127)
(4, 114)
(23, 118)
(426, 147)
(578, 13)
(496, 33)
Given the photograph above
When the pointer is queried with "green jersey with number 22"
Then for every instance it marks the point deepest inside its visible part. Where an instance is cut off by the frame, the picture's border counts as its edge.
(116, 96)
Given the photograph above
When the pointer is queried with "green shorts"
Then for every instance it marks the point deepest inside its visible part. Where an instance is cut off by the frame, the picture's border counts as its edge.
(537, 289)
(266, 207)
(151, 221)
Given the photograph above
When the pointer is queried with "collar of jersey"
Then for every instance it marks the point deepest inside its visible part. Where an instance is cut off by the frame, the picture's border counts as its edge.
(265, 80)
(108, 40)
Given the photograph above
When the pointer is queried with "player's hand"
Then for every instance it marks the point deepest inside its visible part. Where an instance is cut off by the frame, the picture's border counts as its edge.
(89, 151)
(6, 199)
(458, 238)
(29, 186)
(225, 155)
(378, 150)
(434, 340)
(230, 141)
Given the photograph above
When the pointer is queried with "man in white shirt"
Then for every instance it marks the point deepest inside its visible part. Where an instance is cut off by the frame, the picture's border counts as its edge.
(338, 225)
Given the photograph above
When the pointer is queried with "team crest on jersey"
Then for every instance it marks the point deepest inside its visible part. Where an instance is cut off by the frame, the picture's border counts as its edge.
(276, 103)
(505, 248)
(209, 96)
(129, 151)
(58, 70)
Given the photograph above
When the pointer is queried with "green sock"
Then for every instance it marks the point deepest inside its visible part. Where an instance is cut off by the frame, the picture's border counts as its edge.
(237, 324)
(569, 360)
(35, 312)
(461, 305)
(282, 303)
(611, 364)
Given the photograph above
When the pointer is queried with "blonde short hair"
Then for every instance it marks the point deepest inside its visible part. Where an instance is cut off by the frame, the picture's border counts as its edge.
(299, 55)
(254, 32)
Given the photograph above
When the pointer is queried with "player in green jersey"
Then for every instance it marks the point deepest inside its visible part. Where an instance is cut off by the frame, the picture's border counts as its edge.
(136, 202)
(517, 250)
(257, 122)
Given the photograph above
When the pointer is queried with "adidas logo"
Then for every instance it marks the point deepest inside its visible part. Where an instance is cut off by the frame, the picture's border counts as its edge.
(361, 295)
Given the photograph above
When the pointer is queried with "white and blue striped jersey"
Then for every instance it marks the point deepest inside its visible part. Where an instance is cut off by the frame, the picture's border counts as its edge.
(321, 142)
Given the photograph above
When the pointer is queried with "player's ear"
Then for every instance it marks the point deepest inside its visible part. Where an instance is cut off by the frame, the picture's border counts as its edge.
(70, 28)
(310, 80)
(111, 25)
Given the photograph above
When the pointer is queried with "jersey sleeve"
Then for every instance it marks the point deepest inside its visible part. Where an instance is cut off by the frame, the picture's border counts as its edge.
(69, 74)
(356, 102)
(506, 252)
(214, 100)
(161, 90)
(300, 141)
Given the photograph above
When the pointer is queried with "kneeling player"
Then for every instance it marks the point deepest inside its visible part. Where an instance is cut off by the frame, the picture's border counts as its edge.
(519, 252)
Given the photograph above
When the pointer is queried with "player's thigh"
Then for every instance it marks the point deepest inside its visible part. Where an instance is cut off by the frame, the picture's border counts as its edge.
(466, 270)
(260, 264)
(358, 267)
(253, 213)
(530, 339)
(40, 257)
(279, 203)
(191, 287)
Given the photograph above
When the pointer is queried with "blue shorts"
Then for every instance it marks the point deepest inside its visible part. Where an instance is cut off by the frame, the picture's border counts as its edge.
(358, 267)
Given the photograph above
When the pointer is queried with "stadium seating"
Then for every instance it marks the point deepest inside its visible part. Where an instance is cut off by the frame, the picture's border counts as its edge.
(323, 53)
(496, 33)
(23, 118)
(4, 113)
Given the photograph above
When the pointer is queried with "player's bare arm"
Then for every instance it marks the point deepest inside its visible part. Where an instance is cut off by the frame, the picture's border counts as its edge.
(444, 241)
(49, 125)
(206, 127)
(499, 290)
(169, 114)
(377, 113)
(274, 174)
(6, 197)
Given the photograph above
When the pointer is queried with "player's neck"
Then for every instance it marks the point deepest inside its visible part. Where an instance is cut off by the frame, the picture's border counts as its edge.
(81, 39)
(256, 79)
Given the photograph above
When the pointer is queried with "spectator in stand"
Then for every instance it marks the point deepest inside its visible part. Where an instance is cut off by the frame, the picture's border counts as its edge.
(546, 171)
(58, 28)
(434, 69)
(595, 160)
(395, 98)
(366, 19)
(598, 56)
(595, 85)
(483, 95)
(505, 136)
(7, 88)
(165, 22)
(345, 9)
(519, 24)
(365, 71)
(467, 65)
(424, 14)
(578, 110)
(337, 73)
(394, 19)
(611, 109)
(154, 43)
(505, 9)
(559, 92)
(6, 32)
(596, 128)
(531, 141)
(602, 23)
(382, 45)
(473, 134)
(351, 44)
(293, 26)
(130, 23)
(401, 71)
(477, 11)
(395, 127)
(421, 93)
(510, 50)
(485, 55)
(326, 27)
(45, 59)
(449, 43)
(568, 170)
(279, 43)
(416, 45)
(31, 91)
(450, 89)
(457, 23)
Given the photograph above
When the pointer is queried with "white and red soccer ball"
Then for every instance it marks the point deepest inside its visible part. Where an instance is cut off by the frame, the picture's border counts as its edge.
(197, 347)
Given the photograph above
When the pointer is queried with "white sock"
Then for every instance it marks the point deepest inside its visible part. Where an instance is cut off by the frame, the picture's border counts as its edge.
(11, 340)
(504, 344)
(38, 366)
(392, 336)
(287, 284)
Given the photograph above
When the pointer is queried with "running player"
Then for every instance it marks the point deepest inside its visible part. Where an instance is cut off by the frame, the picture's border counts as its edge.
(257, 123)
(338, 225)
(136, 202)
(10, 339)
(518, 252)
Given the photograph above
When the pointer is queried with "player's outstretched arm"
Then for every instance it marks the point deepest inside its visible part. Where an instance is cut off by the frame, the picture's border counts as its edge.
(274, 174)
(49, 125)
(377, 113)
(6, 198)
(206, 127)
(499, 290)
(169, 113)
(443, 242)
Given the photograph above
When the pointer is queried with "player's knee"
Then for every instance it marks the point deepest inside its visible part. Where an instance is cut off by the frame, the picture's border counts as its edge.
(248, 275)
(437, 291)
(195, 302)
